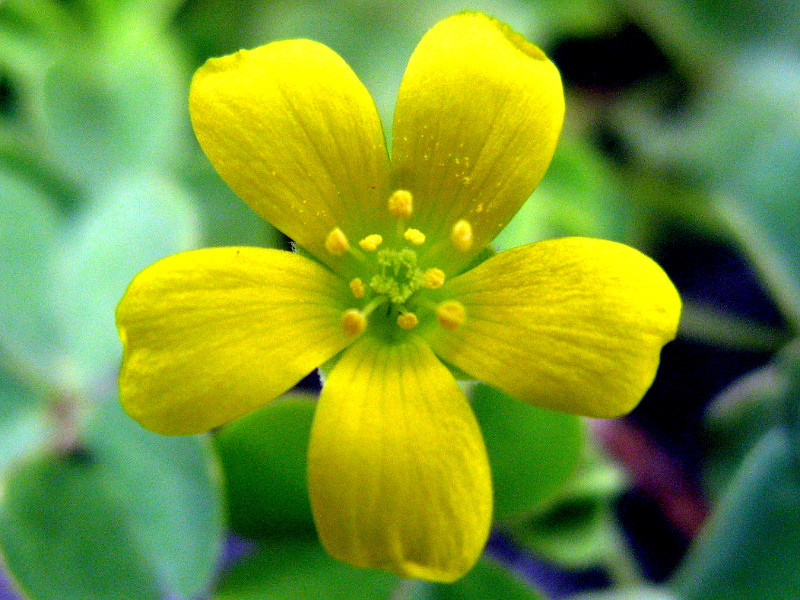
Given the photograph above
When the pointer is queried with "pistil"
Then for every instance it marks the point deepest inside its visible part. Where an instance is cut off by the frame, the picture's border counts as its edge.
(399, 276)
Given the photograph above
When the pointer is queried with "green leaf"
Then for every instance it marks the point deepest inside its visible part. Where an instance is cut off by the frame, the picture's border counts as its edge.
(764, 216)
(263, 457)
(789, 361)
(759, 187)
(752, 99)
(61, 535)
(630, 593)
(115, 13)
(295, 568)
(579, 195)
(116, 109)
(28, 243)
(750, 547)
(576, 17)
(723, 329)
(226, 219)
(127, 515)
(577, 529)
(47, 18)
(741, 142)
(21, 428)
(488, 579)
(533, 452)
(710, 26)
(574, 533)
(738, 418)
(24, 59)
(132, 225)
(171, 494)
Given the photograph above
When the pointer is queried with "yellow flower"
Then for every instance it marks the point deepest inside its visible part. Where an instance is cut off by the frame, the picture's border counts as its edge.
(387, 293)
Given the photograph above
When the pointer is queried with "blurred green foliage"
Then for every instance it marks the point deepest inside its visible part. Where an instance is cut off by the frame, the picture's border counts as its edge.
(100, 176)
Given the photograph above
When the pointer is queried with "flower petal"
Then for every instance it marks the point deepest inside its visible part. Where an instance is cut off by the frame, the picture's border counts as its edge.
(476, 124)
(398, 473)
(210, 335)
(294, 132)
(573, 324)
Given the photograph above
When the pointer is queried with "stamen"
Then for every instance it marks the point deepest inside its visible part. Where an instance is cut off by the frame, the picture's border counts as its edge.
(336, 243)
(415, 236)
(353, 322)
(357, 287)
(461, 236)
(401, 204)
(372, 305)
(451, 314)
(371, 242)
(407, 320)
(434, 278)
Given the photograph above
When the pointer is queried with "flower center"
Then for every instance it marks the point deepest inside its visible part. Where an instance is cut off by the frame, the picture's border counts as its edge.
(399, 275)
(392, 291)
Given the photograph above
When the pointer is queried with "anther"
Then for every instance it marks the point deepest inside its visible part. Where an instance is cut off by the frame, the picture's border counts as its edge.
(357, 287)
(336, 243)
(353, 322)
(415, 236)
(407, 320)
(371, 242)
(451, 314)
(401, 204)
(433, 278)
(461, 235)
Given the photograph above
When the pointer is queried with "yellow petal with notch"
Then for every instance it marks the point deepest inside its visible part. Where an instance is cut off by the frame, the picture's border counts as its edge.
(398, 473)
(476, 124)
(210, 335)
(295, 134)
(573, 324)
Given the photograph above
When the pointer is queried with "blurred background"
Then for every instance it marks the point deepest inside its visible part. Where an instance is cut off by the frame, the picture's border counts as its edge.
(682, 138)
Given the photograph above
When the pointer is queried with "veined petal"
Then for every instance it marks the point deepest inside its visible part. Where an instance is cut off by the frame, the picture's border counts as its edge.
(295, 134)
(478, 115)
(212, 334)
(398, 473)
(572, 324)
